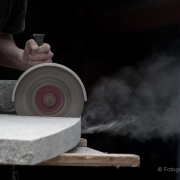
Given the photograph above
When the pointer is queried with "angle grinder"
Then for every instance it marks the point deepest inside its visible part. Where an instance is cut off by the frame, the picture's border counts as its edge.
(47, 89)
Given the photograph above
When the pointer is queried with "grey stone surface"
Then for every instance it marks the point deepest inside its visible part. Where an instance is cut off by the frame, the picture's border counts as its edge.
(6, 89)
(84, 150)
(28, 140)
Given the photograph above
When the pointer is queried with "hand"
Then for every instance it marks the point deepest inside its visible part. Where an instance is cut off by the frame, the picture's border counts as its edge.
(34, 55)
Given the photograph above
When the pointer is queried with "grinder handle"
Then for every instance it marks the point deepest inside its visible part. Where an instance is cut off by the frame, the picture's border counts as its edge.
(39, 38)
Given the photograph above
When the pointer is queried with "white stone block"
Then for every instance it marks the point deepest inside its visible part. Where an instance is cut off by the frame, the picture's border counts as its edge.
(28, 140)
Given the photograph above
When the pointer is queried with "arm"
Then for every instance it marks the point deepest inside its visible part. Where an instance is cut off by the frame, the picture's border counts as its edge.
(13, 57)
(10, 55)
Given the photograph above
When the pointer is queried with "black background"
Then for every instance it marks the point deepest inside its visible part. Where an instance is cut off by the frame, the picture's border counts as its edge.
(92, 58)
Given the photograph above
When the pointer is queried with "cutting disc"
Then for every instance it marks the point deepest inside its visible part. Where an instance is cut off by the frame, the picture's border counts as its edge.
(49, 89)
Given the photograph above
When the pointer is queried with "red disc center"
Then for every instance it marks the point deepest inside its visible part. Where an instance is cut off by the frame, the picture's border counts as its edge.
(49, 99)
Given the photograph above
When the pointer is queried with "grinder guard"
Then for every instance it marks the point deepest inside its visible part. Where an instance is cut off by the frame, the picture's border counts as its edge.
(60, 85)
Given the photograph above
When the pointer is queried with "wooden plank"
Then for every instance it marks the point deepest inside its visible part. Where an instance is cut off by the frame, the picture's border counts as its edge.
(79, 157)
(82, 143)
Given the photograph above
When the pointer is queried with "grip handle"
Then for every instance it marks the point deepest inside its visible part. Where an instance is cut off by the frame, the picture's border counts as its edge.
(39, 38)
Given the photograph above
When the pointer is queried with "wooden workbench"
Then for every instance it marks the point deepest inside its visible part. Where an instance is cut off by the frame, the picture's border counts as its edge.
(82, 155)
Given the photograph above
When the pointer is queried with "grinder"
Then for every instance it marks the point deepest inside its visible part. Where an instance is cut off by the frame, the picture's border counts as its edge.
(48, 89)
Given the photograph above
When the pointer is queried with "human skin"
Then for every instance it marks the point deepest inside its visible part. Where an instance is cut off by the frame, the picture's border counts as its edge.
(13, 57)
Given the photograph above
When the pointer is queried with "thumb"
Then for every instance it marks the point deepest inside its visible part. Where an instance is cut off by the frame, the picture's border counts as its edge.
(31, 46)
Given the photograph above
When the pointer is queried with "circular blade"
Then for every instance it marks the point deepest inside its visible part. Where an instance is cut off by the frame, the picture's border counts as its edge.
(49, 91)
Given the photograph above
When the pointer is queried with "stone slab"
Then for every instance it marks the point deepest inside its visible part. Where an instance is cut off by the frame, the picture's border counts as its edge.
(84, 150)
(82, 143)
(6, 104)
(28, 140)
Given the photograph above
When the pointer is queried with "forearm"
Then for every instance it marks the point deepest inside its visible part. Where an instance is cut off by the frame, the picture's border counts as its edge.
(10, 55)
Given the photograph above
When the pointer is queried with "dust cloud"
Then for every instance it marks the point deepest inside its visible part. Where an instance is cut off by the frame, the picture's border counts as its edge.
(142, 102)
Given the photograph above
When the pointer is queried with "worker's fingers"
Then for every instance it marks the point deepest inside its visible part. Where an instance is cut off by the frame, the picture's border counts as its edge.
(42, 56)
(33, 63)
(34, 55)
(31, 46)
(42, 49)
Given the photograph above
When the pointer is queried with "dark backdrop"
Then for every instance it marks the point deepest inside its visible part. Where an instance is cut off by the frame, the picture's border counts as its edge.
(68, 29)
